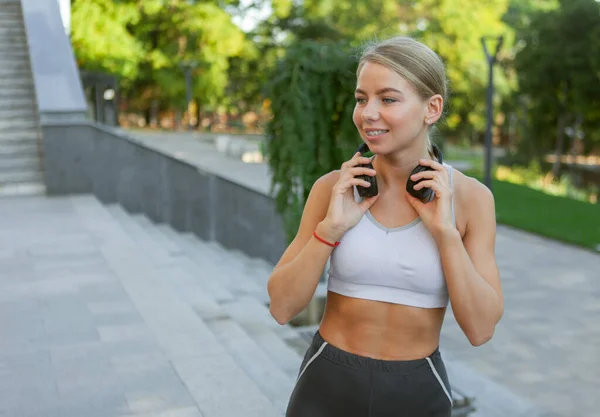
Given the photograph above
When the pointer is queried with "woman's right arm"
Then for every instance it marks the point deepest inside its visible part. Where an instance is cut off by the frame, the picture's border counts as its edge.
(330, 211)
(296, 276)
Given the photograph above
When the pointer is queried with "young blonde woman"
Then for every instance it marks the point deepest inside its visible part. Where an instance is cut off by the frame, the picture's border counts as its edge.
(396, 261)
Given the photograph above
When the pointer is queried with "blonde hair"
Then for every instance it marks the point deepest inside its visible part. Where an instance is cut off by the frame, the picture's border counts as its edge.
(412, 60)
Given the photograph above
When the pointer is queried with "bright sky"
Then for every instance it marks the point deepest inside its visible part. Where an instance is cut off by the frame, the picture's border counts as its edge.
(253, 16)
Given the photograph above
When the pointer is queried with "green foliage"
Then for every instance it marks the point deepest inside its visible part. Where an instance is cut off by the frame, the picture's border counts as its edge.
(146, 42)
(311, 131)
(100, 37)
(559, 70)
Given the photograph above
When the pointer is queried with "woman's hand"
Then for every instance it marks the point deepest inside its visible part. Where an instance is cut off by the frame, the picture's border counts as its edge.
(343, 212)
(437, 214)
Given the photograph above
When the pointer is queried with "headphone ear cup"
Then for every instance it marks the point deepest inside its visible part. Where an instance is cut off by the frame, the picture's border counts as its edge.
(425, 193)
(366, 192)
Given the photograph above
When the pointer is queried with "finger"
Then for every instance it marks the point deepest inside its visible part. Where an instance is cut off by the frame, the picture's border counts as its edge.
(434, 185)
(415, 202)
(433, 164)
(356, 160)
(344, 185)
(425, 175)
(361, 171)
(368, 202)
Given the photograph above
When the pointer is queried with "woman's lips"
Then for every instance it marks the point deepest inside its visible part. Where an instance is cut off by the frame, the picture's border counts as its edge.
(377, 136)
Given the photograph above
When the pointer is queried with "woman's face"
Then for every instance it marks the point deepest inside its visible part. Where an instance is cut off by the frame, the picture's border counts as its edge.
(389, 114)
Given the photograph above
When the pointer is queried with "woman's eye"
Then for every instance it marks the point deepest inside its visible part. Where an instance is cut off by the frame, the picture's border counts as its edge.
(389, 100)
(360, 100)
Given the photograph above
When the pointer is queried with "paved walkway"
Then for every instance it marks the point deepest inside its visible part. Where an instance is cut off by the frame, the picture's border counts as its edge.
(547, 345)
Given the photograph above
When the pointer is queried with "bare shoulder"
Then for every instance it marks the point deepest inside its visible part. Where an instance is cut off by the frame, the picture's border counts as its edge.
(328, 180)
(474, 202)
(314, 212)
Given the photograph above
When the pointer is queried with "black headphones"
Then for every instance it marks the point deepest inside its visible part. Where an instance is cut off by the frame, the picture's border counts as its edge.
(424, 194)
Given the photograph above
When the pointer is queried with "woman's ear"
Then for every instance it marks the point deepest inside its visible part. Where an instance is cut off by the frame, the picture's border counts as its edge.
(435, 106)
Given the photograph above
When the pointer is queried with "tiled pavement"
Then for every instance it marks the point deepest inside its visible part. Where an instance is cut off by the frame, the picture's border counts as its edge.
(105, 314)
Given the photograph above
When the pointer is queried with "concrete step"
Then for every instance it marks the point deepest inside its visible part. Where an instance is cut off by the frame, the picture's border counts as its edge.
(21, 112)
(8, 103)
(11, 58)
(17, 91)
(15, 72)
(209, 372)
(29, 136)
(185, 285)
(253, 315)
(255, 319)
(209, 277)
(22, 189)
(18, 125)
(15, 65)
(272, 381)
(195, 285)
(14, 40)
(16, 149)
(24, 80)
(12, 31)
(21, 163)
(232, 277)
(10, 177)
(10, 22)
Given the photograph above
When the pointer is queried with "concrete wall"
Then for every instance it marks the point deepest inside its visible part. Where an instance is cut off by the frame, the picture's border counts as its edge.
(58, 88)
(89, 158)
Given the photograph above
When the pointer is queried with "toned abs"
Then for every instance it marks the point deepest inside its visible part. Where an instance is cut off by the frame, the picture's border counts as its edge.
(381, 330)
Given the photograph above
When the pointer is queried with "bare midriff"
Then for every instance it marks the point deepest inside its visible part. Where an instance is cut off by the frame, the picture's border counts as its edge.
(381, 330)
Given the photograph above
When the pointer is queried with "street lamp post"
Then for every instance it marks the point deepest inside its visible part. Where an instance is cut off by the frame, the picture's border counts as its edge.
(491, 60)
(187, 67)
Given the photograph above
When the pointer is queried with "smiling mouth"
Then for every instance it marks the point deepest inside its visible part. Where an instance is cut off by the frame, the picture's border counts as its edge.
(373, 133)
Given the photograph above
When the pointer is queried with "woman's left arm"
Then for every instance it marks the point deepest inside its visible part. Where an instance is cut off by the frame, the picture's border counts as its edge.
(470, 267)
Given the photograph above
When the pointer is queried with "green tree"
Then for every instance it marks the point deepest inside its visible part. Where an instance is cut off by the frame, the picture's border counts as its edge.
(146, 42)
(559, 72)
(311, 131)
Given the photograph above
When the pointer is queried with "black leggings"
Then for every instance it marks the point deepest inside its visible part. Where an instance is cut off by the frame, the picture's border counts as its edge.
(335, 383)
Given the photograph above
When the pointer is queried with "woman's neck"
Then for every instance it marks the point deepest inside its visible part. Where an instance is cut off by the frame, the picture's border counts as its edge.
(394, 169)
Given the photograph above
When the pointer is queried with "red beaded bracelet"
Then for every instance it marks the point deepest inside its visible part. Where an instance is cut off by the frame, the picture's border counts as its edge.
(333, 245)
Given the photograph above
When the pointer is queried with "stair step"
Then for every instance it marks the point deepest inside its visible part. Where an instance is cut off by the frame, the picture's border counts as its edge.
(208, 276)
(8, 126)
(13, 55)
(17, 103)
(209, 372)
(13, 40)
(22, 136)
(10, 23)
(24, 80)
(18, 149)
(254, 316)
(18, 91)
(255, 319)
(21, 64)
(195, 281)
(12, 31)
(21, 176)
(15, 73)
(23, 163)
(23, 112)
(234, 279)
(22, 189)
(276, 385)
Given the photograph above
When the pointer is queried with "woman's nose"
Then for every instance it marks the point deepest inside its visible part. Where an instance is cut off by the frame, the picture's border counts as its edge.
(370, 112)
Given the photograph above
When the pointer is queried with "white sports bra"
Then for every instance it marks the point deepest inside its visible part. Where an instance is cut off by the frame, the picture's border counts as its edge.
(399, 265)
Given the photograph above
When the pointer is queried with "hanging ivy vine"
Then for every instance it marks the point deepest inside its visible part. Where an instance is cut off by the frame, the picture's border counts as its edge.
(311, 131)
